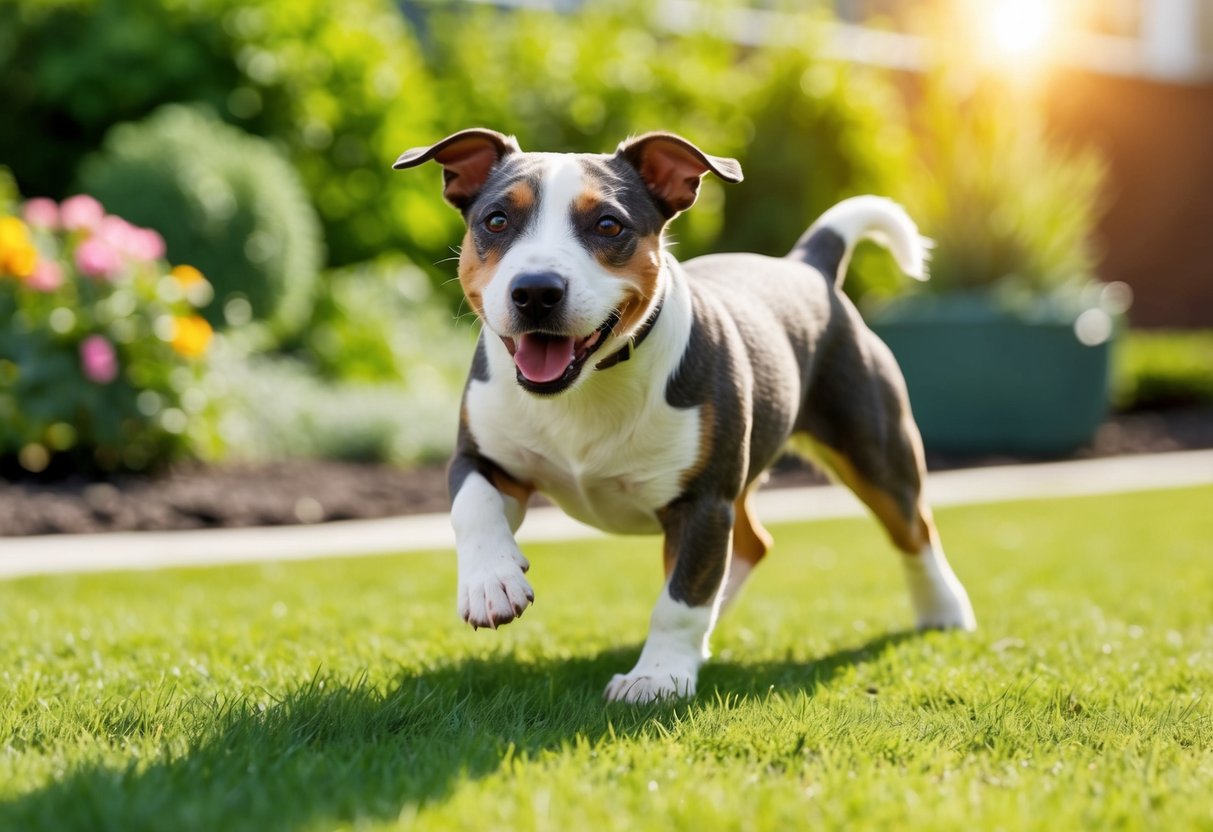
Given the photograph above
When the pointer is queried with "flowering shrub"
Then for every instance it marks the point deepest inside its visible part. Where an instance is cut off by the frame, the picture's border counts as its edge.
(102, 358)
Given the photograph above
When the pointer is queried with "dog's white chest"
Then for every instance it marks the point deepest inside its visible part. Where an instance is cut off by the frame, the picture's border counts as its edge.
(610, 460)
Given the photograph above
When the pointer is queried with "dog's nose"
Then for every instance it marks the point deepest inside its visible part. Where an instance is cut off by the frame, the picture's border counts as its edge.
(536, 294)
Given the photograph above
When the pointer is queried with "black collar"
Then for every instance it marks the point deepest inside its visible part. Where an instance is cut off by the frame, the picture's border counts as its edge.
(625, 352)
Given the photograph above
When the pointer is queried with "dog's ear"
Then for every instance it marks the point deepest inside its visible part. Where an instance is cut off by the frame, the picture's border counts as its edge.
(671, 167)
(466, 157)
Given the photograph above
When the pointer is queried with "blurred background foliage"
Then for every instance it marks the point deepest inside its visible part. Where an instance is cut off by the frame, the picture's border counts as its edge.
(240, 213)
(342, 88)
(257, 138)
(339, 87)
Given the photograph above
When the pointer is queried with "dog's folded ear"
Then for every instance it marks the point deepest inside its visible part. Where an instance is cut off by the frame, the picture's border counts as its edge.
(466, 157)
(671, 167)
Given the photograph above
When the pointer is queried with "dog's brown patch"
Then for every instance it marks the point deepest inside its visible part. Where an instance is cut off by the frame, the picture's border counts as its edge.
(751, 541)
(641, 272)
(522, 195)
(510, 487)
(475, 272)
(587, 202)
(906, 517)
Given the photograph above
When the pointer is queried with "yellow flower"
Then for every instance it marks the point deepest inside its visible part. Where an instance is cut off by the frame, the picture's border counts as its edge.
(21, 262)
(12, 232)
(186, 275)
(17, 253)
(191, 335)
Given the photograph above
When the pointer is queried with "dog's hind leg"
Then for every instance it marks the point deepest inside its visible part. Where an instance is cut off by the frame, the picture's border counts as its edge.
(866, 439)
(938, 598)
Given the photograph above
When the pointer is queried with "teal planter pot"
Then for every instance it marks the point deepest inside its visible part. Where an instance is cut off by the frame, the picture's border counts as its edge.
(986, 381)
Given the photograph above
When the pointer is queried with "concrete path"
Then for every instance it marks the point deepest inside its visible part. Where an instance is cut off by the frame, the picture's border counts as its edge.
(156, 550)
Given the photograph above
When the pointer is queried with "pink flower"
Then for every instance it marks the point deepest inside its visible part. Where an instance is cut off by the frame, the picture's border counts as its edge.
(41, 212)
(95, 257)
(98, 359)
(146, 244)
(46, 277)
(141, 244)
(81, 212)
(113, 229)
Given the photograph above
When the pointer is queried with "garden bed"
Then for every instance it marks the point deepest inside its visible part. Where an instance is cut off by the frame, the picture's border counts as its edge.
(310, 491)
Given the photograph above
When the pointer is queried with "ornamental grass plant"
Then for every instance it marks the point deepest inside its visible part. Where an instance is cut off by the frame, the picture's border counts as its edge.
(1012, 211)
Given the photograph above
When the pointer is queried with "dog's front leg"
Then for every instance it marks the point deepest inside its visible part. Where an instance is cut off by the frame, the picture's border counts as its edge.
(697, 541)
(487, 507)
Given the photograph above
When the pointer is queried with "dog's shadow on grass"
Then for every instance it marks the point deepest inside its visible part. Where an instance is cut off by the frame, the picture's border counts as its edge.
(337, 751)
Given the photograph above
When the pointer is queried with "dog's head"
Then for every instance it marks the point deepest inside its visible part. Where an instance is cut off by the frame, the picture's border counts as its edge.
(562, 255)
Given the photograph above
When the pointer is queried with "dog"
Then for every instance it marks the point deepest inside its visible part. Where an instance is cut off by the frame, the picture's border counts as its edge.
(645, 395)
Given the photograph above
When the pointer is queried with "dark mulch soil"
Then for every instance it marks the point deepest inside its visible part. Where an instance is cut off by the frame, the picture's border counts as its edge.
(311, 491)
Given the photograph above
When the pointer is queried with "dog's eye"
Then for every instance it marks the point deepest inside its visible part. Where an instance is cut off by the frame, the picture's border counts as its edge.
(496, 222)
(608, 227)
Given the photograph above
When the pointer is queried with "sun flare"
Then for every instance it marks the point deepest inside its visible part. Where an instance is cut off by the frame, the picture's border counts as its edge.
(1021, 28)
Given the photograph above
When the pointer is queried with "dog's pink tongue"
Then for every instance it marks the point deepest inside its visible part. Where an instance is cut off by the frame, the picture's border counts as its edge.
(543, 358)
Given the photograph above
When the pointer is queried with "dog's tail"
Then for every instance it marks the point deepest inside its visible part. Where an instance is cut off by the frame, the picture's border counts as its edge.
(828, 243)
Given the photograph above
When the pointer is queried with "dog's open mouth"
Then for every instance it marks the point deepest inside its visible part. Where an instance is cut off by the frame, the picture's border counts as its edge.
(548, 363)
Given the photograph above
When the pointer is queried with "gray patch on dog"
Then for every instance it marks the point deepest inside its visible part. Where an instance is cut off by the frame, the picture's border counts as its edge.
(824, 250)
(480, 364)
(466, 459)
(712, 375)
(857, 404)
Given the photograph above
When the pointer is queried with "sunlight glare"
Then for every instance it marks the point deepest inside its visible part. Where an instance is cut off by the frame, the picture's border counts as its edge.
(1021, 27)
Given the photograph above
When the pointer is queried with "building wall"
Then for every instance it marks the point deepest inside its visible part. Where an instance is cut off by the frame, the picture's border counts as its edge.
(1158, 232)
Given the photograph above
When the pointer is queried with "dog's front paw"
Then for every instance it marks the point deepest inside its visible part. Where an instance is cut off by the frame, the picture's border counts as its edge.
(492, 597)
(640, 688)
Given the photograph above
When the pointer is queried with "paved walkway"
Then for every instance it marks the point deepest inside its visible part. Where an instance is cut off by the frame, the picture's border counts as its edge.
(155, 550)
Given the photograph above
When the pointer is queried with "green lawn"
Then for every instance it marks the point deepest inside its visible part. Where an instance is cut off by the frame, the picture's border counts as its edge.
(346, 694)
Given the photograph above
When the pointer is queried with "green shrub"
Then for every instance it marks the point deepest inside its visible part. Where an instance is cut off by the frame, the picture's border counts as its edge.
(226, 202)
(382, 322)
(74, 68)
(102, 354)
(8, 191)
(377, 376)
(1164, 368)
(340, 86)
(279, 408)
